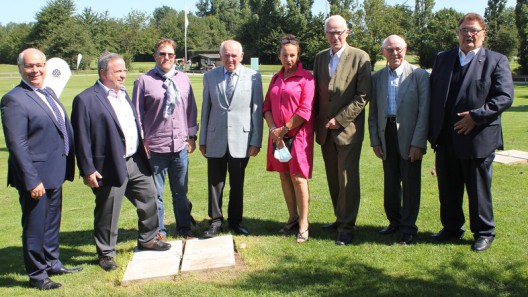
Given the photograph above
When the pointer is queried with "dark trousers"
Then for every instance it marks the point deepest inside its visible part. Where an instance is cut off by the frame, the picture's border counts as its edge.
(217, 169)
(453, 173)
(400, 177)
(140, 190)
(40, 232)
(342, 175)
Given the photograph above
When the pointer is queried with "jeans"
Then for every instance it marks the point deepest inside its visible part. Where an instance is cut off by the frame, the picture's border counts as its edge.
(176, 165)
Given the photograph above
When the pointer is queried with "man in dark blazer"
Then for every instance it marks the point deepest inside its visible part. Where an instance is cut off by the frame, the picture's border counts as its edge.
(112, 160)
(398, 118)
(342, 84)
(470, 87)
(39, 138)
(231, 133)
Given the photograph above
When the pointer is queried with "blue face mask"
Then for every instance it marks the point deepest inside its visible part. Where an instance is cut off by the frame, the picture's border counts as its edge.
(282, 154)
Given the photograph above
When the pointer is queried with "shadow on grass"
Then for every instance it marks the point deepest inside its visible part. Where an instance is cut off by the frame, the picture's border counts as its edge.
(365, 234)
(72, 254)
(329, 275)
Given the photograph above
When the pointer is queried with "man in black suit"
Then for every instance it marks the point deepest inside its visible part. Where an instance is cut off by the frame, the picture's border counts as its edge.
(39, 138)
(470, 88)
(112, 160)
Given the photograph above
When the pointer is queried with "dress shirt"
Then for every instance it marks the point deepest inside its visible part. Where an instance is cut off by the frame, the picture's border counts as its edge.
(393, 87)
(334, 60)
(43, 98)
(466, 58)
(164, 135)
(125, 116)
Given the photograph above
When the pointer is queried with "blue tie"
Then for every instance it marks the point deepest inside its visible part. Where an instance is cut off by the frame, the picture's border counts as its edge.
(60, 118)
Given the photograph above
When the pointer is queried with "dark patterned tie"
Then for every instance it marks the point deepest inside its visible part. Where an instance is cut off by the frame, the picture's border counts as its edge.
(60, 118)
(230, 86)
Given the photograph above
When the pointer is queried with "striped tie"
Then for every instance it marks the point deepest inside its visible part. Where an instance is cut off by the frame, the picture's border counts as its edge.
(60, 118)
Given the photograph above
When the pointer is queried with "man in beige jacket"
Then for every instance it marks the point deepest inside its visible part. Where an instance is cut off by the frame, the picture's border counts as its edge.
(342, 78)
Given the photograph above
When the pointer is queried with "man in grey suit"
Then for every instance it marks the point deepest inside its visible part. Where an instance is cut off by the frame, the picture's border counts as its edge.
(398, 118)
(342, 84)
(231, 133)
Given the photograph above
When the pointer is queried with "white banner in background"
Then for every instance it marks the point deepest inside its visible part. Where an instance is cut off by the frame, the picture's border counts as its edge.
(57, 75)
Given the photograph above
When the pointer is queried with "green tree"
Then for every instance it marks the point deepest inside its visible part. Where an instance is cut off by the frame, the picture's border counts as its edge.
(421, 31)
(521, 19)
(440, 36)
(507, 38)
(379, 25)
(12, 41)
(136, 37)
(51, 18)
(494, 18)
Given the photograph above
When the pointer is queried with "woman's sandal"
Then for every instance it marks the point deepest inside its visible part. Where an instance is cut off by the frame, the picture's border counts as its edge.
(290, 226)
(302, 236)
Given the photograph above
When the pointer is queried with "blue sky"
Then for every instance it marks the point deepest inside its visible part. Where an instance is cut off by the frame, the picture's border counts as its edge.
(119, 8)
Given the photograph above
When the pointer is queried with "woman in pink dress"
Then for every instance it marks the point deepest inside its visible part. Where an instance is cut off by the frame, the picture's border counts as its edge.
(288, 113)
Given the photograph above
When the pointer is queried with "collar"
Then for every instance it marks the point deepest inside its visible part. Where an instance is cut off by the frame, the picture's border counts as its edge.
(399, 70)
(469, 55)
(108, 90)
(32, 87)
(339, 53)
(236, 71)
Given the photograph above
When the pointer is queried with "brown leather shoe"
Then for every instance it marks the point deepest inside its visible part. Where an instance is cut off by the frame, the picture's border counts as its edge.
(156, 245)
(107, 263)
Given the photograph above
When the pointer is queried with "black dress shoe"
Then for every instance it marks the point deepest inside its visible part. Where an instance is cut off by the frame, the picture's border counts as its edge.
(107, 263)
(388, 230)
(445, 235)
(187, 234)
(65, 270)
(330, 226)
(157, 246)
(239, 230)
(213, 231)
(45, 284)
(481, 244)
(406, 239)
(344, 238)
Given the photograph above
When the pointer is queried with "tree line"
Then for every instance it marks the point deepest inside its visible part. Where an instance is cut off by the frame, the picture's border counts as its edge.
(258, 25)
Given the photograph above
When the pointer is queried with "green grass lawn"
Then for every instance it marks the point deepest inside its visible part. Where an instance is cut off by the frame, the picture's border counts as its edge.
(274, 265)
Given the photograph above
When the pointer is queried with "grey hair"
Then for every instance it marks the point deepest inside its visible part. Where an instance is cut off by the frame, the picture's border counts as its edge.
(339, 18)
(237, 44)
(20, 58)
(398, 36)
(104, 59)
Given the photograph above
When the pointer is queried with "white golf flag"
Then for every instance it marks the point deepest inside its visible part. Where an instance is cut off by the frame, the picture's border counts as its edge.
(186, 19)
(57, 75)
(79, 58)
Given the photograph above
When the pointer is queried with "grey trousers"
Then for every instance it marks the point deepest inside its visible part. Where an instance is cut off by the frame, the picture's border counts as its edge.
(141, 191)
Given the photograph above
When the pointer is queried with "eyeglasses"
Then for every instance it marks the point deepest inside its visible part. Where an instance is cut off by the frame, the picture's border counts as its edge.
(290, 41)
(335, 33)
(38, 65)
(470, 31)
(391, 49)
(163, 54)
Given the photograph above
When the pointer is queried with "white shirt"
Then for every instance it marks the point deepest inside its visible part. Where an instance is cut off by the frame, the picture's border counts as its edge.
(334, 60)
(466, 58)
(126, 118)
(43, 98)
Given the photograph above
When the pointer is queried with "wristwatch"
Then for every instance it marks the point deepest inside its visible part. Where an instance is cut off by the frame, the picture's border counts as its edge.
(286, 128)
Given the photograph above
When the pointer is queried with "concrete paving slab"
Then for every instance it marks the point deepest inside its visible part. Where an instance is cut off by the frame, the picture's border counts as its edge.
(511, 157)
(147, 265)
(208, 254)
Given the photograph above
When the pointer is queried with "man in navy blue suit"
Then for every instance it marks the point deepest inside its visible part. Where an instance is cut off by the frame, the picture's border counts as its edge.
(112, 160)
(39, 138)
(470, 88)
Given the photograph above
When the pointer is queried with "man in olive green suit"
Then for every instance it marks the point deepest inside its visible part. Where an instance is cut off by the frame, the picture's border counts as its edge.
(342, 76)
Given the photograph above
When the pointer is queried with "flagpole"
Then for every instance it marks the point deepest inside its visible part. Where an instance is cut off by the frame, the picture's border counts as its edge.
(186, 23)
